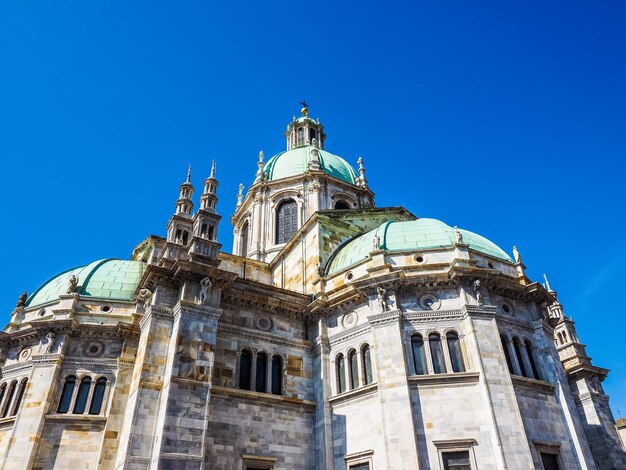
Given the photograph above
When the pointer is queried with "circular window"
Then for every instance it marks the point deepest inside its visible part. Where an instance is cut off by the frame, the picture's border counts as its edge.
(430, 302)
(490, 264)
(506, 308)
(263, 322)
(420, 258)
(349, 276)
(42, 312)
(24, 355)
(106, 308)
(349, 320)
(94, 349)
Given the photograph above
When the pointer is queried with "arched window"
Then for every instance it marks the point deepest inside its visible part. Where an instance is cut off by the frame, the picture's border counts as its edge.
(507, 356)
(300, 136)
(66, 395)
(366, 360)
(98, 396)
(341, 374)
(245, 369)
(341, 205)
(286, 220)
(419, 359)
(518, 355)
(20, 395)
(531, 359)
(3, 391)
(261, 372)
(7, 404)
(436, 353)
(354, 369)
(277, 375)
(311, 134)
(82, 396)
(454, 348)
(244, 240)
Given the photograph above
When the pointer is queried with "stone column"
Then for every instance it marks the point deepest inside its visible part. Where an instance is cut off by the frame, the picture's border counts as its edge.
(393, 391)
(323, 370)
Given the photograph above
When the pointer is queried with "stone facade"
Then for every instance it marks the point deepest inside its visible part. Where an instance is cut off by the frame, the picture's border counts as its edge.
(366, 339)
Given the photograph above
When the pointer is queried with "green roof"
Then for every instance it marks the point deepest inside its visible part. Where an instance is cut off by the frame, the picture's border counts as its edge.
(414, 235)
(112, 279)
(296, 162)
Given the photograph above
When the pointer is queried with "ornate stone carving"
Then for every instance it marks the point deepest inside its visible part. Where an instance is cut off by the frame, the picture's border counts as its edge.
(263, 322)
(477, 292)
(72, 284)
(429, 302)
(205, 284)
(380, 297)
(21, 301)
(349, 320)
(144, 297)
(93, 349)
(458, 236)
(51, 337)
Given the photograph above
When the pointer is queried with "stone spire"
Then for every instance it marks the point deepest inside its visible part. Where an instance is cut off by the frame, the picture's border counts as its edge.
(240, 195)
(184, 204)
(261, 165)
(208, 200)
(362, 181)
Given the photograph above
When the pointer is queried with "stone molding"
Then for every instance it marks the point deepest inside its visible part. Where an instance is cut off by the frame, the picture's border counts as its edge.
(384, 318)
(349, 334)
(533, 384)
(258, 396)
(269, 337)
(434, 380)
(353, 395)
(111, 364)
(16, 369)
(434, 315)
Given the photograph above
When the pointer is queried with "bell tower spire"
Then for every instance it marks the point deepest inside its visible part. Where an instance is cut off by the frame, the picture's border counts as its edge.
(184, 204)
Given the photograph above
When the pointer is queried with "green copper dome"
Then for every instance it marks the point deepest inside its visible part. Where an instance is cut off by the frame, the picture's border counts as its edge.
(296, 162)
(414, 235)
(112, 279)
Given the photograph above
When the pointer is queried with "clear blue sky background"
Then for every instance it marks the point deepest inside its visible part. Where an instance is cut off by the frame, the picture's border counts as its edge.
(505, 118)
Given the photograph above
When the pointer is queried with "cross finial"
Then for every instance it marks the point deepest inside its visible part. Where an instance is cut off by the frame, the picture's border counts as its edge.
(305, 108)
(213, 169)
(189, 174)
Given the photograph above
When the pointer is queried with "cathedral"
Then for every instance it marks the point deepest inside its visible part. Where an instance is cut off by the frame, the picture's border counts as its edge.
(337, 336)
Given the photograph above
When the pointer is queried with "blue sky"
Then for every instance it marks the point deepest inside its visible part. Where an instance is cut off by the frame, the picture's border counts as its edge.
(504, 118)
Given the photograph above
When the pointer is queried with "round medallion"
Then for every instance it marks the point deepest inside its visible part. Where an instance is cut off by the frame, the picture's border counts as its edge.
(263, 322)
(430, 302)
(94, 349)
(24, 355)
(349, 320)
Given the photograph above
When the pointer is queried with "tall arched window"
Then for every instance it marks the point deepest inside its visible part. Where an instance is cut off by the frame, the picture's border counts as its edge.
(518, 355)
(20, 395)
(7, 404)
(354, 369)
(245, 369)
(3, 391)
(436, 353)
(454, 348)
(531, 359)
(341, 374)
(419, 359)
(311, 134)
(507, 356)
(286, 220)
(82, 396)
(366, 360)
(244, 240)
(66, 395)
(300, 135)
(277, 375)
(261, 372)
(98, 396)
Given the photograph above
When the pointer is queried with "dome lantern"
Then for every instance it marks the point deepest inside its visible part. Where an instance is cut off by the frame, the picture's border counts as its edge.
(303, 130)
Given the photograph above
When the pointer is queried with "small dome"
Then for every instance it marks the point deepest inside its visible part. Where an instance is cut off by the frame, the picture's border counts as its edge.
(296, 162)
(112, 279)
(414, 235)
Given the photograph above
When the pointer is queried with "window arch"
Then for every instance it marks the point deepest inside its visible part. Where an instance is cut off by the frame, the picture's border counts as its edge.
(66, 395)
(311, 134)
(7, 403)
(419, 357)
(277, 375)
(300, 140)
(531, 359)
(244, 239)
(340, 369)
(261, 372)
(454, 349)
(3, 391)
(286, 220)
(341, 205)
(436, 353)
(505, 347)
(354, 369)
(19, 397)
(98, 396)
(366, 360)
(82, 396)
(245, 369)
(518, 355)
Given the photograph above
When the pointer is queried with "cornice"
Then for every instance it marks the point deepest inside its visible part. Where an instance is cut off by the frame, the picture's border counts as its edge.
(380, 319)
(349, 334)
(434, 315)
(263, 336)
